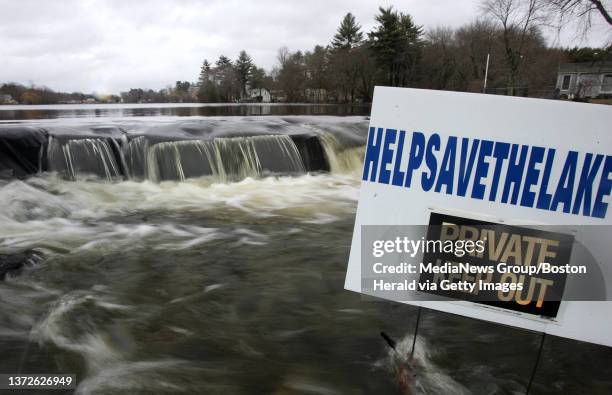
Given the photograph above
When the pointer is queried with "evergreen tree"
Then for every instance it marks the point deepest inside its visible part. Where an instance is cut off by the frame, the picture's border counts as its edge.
(204, 74)
(396, 43)
(342, 59)
(223, 62)
(349, 33)
(207, 89)
(244, 67)
(180, 93)
(586, 54)
(226, 76)
(258, 78)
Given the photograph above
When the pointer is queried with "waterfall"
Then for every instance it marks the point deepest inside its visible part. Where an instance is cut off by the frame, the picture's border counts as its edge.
(168, 153)
(75, 157)
(226, 159)
(341, 159)
(134, 152)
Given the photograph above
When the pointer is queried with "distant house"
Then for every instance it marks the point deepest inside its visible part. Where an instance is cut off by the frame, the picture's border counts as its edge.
(7, 99)
(315, 95)
(259, 95)
(193, 91)
(584, 80)
(278, 95)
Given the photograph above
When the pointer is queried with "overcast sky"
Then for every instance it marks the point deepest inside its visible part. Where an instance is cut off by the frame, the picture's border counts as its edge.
(108, 46)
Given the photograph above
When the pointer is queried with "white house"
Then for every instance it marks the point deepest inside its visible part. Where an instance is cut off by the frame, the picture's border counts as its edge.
(584, 80)
(7, 99)
(259, 95)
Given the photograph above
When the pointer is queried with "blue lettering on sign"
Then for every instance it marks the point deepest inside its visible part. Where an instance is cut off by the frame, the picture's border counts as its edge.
(498, 171)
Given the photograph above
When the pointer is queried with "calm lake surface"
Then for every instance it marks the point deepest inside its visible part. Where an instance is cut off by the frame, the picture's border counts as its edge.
(21, 112)
(211, 285)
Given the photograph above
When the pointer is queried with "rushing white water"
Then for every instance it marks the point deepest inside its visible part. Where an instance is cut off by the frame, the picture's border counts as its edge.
(81, 220)
(223, 158)
(341, 159)
(135, 153)
(48, 212)
(78, 157)
(424, 376)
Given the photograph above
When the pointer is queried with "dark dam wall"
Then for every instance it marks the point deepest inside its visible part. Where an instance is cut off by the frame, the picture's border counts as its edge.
(171, 152)
(22, 151)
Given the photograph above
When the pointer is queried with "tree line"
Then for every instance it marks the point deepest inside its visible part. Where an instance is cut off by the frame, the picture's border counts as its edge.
(13, 93)
(506, 43)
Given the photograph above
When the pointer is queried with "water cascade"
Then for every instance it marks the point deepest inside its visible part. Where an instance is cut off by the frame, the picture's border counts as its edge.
(223, 158)
(225, 150)
(80, 156)
(342, 159)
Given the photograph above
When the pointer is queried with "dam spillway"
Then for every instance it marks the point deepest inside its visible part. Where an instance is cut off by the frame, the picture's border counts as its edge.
(226, 149)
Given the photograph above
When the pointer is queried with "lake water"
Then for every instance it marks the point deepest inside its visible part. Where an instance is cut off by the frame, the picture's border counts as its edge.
(230, 282)
(21, 112)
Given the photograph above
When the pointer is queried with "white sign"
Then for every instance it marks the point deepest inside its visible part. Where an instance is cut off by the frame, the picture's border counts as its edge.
(501, 159)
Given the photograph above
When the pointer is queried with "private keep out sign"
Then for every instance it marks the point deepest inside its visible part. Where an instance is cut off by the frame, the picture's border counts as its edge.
(492, 207)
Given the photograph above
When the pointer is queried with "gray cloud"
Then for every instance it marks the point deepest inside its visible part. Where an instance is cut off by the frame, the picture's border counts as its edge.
(112, 45)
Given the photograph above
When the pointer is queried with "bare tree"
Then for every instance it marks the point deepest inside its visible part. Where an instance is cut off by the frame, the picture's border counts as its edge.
(475, 41)
(440, 59)
(578, 12)
(291, 74)
(518, 19)
(283, 55)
